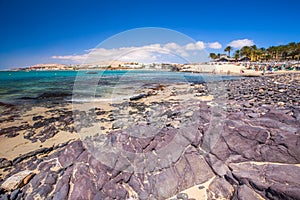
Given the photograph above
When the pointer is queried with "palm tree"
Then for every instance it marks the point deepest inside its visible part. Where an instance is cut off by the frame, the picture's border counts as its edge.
(213, 56)
(245, 51)
(253, 54)
(236, 55)
(228, 49)
(298, 51)
(275, 52)
(259, 54)
(262, 54)
(281, 52)
(292, 50)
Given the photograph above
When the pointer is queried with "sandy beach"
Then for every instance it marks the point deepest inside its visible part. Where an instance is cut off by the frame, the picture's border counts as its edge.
(219, 140)
(234, 69)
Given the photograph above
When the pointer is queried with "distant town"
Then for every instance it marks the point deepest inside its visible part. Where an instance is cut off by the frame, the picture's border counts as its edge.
(114, 65)
(223, 60)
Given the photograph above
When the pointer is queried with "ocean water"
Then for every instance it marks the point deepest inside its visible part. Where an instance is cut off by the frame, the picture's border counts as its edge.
(21, 86)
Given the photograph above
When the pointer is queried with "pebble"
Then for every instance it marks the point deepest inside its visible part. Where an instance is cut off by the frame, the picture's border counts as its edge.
(28, 134)
(5, 163)
(253, 115)
(137, 97)
(201, 187)
(182, 196)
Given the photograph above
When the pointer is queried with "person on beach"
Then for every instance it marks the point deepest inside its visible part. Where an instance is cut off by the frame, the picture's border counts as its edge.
(263, 70)
(270, 69)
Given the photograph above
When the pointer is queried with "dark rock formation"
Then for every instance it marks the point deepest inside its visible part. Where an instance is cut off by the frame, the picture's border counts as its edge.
(248, 149)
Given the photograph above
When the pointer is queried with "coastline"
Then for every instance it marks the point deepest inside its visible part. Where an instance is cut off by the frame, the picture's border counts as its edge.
(216, 69)
(256, 115)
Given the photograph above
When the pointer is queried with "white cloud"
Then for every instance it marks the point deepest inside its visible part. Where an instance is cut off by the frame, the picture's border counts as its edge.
(214, 45)
(241, 43)
(140, 54)
(172, 45)
(195, 46)
(73, 58)
(145, 54)
(175, 48)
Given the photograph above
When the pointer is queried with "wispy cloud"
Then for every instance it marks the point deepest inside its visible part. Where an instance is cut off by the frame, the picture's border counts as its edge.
(214, 45)
(73, 58)
(195, 46)
(170, 52)
(241, 43)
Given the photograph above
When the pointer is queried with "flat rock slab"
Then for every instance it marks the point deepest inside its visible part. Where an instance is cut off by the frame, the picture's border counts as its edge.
(275, 181)
(17, 180)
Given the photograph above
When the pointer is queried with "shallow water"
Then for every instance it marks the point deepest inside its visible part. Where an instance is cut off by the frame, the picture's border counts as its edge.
(16, 87)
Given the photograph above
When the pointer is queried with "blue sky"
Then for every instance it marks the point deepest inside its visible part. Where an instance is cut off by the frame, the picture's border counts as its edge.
(33, 31)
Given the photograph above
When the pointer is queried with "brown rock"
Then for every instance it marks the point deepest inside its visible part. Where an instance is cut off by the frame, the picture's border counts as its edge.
(245, 193)
(166, 183)
(201, 170)
(220, 188)
(277, 181)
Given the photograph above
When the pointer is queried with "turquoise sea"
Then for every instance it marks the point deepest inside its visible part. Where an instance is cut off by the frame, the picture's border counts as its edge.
(32, 86)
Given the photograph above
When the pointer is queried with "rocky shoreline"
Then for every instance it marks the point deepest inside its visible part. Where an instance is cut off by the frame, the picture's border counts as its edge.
(243, 144)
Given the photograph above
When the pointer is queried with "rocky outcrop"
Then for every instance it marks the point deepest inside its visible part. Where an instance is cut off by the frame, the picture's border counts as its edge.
(249, 149)
(274, 181)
